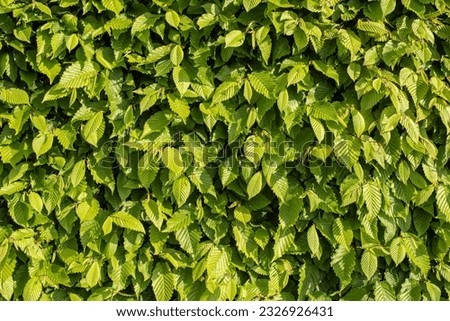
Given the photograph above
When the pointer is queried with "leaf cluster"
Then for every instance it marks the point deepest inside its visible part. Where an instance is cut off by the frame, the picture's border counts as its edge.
(224, 150)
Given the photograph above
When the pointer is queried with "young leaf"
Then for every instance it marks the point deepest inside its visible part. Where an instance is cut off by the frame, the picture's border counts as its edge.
(115, 6)
(250, 4)
(369, 264)
(179, 106)
(314, 241)
(171, 158)
(172, 18)
(181, 80)
(42, 144)
(342, 233)
(242, 214)
(94, 129)
(93, 274)
(78, 74)
(383, 291)
(343, 262)
(234, 39)
(127, 221)
(35, 201)
(397, 250)
(350, 41)
(177, 55)
(181, 190)
(254, 185)
(443, 201)
(372, 197)
(32, 290)
(226, 91)
(163, 282)
(263, 83)
(78, 173)
(14, 96)
(387, 6)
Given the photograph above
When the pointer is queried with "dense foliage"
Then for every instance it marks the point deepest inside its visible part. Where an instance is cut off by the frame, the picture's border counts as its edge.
(236, 149)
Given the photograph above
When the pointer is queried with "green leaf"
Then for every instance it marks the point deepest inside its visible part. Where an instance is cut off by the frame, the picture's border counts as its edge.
(163, 282)
(171, 158)
(78, 75)
(12, 188)
(218, 261)
(49, 67)
(35, 201)
(93, 274)
(327, 70)
(147, 170)
(189, 239)
(203, 181)
(263, 83)
(264, 42)
(42, 144)
(226, 91)
(354, 70)
(71, 42)
(314, 241)
(350, 41)
(242, 214)
(284, 239)
(121, 22)
(93, 130)
(318, 128)
(172, 18)
(254, 149)
(250, 4)
(343, 263)
(105, 56)
(443, 201)
(39, 122)
(78, 173)
(347, 150)
(153, 213)
(342, 233)
(32, 290)
(279, 185)
(417, 252)
(234, 39)
(383, 291)
(143, 22)
(289, 212)
(372, 197)
(397, 250)
(369, 264)
(387, 6)
(115, 6)
(177, 55)
(297, 74)
(88, 209)
(181, 80)
(181, 190)
(359, 123)
(434, 291)
(14, 96)
(254, 185)
(127, 221)
(412, 128)
(228, 171)
(181, 219)
(179, 106)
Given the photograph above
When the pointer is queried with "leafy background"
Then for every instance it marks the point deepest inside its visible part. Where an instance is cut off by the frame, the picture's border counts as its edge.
(224, 150)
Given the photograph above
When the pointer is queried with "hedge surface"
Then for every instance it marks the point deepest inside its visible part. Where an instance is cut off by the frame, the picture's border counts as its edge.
(224, 150)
